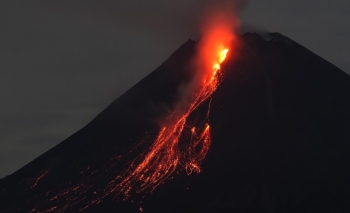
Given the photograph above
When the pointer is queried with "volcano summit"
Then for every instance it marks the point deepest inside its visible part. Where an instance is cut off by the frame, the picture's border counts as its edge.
(279, 132)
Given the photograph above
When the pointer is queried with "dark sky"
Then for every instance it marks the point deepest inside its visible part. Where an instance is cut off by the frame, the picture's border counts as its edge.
(62, 62)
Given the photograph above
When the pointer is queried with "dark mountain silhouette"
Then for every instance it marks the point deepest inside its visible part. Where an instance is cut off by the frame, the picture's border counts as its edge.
(280, 124)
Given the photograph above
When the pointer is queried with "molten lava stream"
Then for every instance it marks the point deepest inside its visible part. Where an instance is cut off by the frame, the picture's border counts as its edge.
(165, 156)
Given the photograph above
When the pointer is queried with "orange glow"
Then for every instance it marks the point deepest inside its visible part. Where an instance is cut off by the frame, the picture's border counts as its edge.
(165, 156)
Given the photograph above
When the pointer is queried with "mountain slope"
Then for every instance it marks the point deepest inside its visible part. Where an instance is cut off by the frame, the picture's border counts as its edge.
(280, 124)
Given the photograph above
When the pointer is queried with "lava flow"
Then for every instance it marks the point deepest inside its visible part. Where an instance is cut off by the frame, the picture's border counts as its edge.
(177, 146)
(165, 155)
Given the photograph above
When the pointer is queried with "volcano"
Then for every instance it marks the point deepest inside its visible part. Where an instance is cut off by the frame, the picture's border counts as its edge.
(280, 133)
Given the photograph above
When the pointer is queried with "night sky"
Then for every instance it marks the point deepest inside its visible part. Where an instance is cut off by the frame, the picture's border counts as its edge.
(63, 62)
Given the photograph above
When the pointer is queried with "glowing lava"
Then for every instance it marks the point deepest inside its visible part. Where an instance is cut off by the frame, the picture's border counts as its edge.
(165, 155)
(38, 179)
